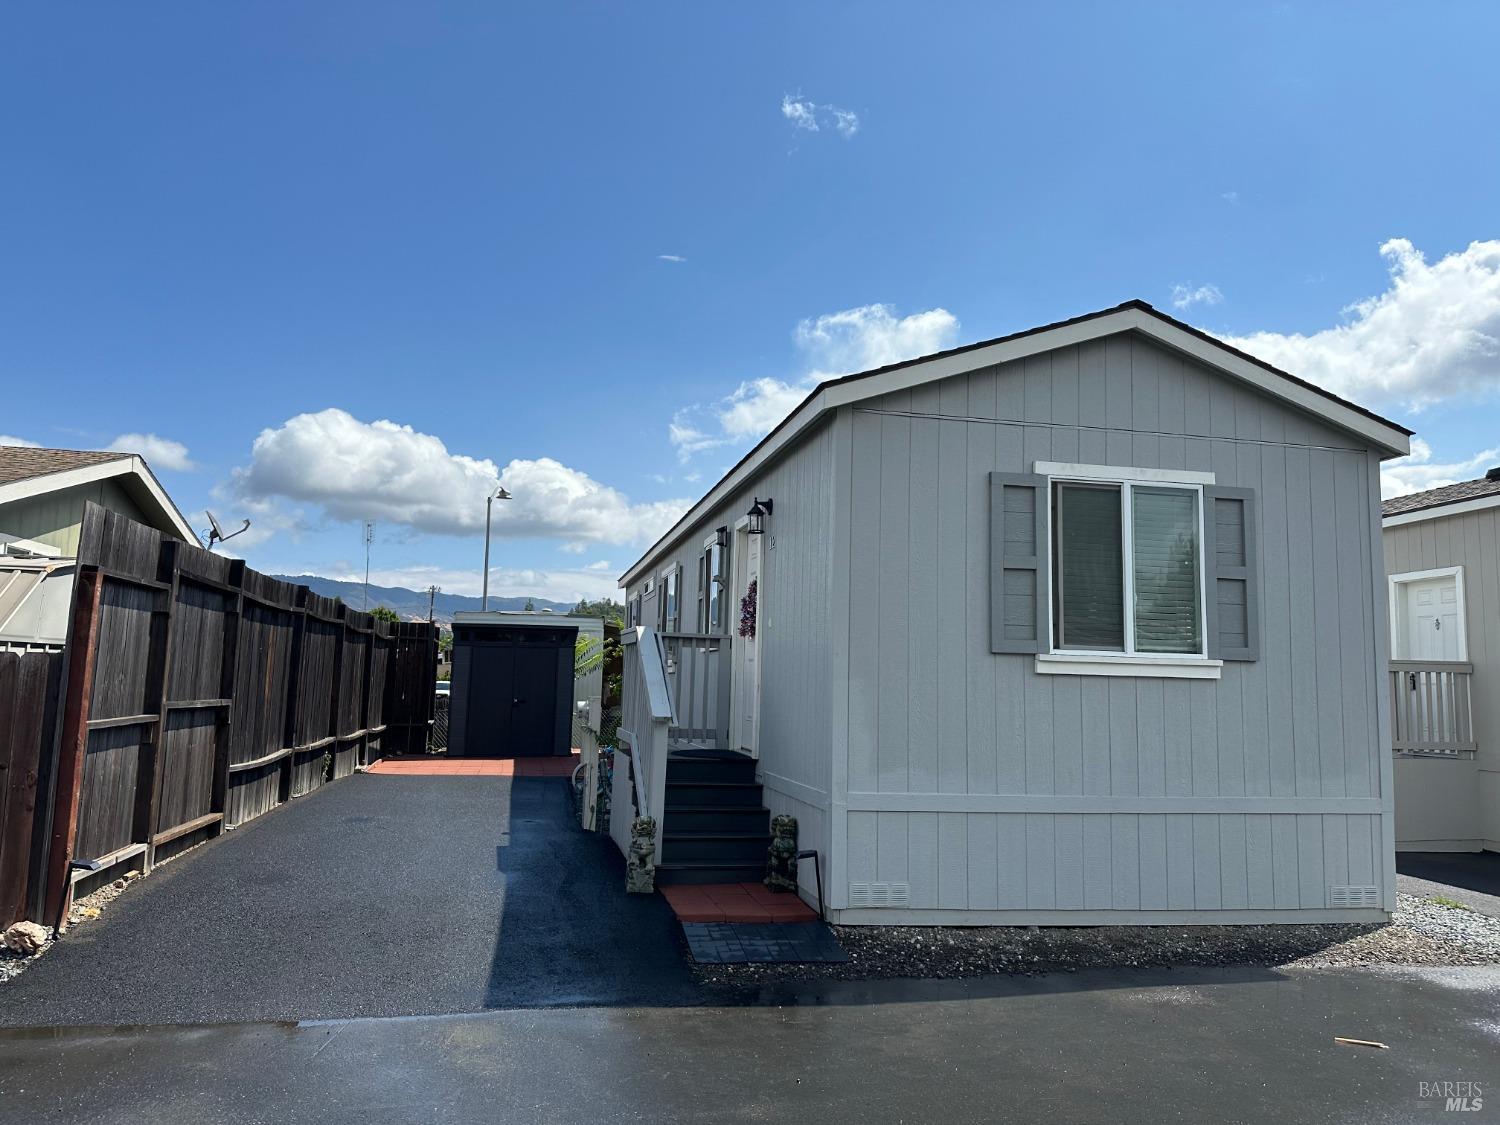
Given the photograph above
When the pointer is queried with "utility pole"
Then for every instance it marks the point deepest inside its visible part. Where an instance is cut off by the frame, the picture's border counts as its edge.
(369, 538)
(432, 593)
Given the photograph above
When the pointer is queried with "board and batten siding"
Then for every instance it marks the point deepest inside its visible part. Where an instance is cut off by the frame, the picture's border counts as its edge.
(1470, 540)
(793, 625)
(1001, 795)
(54, 518)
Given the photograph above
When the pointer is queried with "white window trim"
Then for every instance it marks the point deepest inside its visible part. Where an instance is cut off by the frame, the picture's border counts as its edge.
(1119, 474)
(1454, 572)
(1091, 662)
(665, 577)
(1160, 665)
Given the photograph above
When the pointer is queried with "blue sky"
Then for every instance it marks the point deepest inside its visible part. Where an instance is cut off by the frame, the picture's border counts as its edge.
(596, 249)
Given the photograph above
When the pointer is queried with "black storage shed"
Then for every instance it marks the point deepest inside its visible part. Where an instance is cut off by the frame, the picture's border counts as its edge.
(512, 687)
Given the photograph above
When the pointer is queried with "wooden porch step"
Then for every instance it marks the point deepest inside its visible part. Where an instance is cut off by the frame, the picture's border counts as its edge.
(739, 794)
(736, 819)
(740, 768)
(713, 847)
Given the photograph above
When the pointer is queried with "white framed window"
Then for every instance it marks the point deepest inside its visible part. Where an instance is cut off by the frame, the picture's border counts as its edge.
(1127, 573)
(669, 608)
(713, 582)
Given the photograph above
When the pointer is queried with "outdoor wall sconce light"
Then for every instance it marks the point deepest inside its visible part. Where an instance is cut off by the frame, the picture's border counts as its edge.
(721, 536)
(757, 516)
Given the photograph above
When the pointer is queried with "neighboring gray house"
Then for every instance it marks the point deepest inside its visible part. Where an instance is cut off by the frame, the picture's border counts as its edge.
(1081, 625)
(1441, 552)
(42, 494)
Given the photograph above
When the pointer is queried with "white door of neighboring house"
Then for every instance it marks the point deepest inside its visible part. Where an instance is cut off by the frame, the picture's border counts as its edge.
(1428, 625)
(745, 718)
(1433, 627)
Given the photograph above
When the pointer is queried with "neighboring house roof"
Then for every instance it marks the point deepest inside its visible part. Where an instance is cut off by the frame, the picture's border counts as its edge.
(1471, 494)
(27, 471)
(1138, 316)
(22, 462)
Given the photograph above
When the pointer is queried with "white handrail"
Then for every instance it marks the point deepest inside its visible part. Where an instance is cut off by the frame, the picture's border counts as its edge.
(646, 720)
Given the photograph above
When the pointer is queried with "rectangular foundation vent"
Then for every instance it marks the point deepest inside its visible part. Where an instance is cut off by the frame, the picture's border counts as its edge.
(1346, 895)
(862, 895)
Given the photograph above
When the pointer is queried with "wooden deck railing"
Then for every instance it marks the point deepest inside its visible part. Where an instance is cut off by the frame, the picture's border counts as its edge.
(698, 672)
(1431, 712)
(645, 720)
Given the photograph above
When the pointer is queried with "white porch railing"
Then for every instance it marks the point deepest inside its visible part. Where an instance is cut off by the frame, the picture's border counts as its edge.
(646, 718)
(1431, 712)
(698, 672)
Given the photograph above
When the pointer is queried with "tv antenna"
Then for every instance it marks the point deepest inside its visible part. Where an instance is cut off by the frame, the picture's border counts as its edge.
(215, 533)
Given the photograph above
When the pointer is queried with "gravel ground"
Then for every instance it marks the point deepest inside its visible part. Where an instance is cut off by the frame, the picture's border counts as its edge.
(1422, 933)
(85, 909)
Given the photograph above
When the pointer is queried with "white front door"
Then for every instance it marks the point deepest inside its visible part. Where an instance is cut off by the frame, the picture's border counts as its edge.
(1431, 617)
(745, 626)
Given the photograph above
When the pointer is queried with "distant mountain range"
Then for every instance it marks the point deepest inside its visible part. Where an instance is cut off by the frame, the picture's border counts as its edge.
(411, 604)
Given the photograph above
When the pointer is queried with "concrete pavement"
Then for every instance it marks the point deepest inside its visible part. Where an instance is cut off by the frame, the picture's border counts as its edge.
(1185, 1045)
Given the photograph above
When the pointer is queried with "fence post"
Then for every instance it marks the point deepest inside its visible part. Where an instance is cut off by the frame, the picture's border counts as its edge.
(294, 694)
(228, 670)
(335, 722)
(158, 665)
(82, 638)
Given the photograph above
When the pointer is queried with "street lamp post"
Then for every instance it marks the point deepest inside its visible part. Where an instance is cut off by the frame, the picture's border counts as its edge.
(489, 503)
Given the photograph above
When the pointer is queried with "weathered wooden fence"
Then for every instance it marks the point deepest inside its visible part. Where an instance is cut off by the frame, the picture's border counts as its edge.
(197, 695)
(28, 714)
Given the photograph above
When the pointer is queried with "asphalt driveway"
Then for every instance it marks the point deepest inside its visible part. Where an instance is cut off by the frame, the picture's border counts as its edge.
(375, 896)
(1472, 878)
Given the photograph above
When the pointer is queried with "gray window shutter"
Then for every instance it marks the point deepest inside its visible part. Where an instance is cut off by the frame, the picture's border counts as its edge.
(1019, 586)
(1232, 568)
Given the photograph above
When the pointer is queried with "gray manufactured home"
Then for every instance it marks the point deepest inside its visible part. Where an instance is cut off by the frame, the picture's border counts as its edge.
(1081, 625)
(1441, 548)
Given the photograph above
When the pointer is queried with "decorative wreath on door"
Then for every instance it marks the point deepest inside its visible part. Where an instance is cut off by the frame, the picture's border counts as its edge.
(747, 609)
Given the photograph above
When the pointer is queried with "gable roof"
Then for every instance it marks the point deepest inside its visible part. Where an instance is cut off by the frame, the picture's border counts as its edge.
(1466, 490)
(24, 462)
(27, 471)
(1135, 315)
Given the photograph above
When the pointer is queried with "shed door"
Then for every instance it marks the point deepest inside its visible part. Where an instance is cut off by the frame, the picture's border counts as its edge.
(487, 726)
(533, 702)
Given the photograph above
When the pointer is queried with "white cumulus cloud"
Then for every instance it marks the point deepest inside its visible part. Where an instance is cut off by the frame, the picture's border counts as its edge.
(846, 121)
(1417, 472)
(801, 113)
(1186, 296)
(355, 470)
(811, 117)
(159, 452)
(7, 439)
(834, 344)
(670, 258)
(1433, 335)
